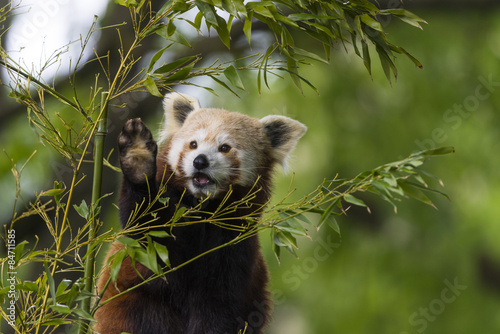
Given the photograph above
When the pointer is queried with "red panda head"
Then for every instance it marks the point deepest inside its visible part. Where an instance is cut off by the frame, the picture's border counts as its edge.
(212, 149)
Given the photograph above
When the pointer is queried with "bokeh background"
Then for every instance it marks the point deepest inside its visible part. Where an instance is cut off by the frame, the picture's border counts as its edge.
(420, 270)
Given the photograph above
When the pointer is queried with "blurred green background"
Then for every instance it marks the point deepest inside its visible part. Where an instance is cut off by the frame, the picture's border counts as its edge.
(419, 270)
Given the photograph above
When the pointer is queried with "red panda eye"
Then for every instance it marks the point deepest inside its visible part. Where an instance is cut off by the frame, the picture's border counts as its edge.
(224, 148)
(193, 145)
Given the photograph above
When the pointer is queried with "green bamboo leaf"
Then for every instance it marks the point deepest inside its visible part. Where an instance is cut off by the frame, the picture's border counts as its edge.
(332, 222)
(83, 209)
(115, 266)
(18, 250)
(223, 31)
(61, 288)
(301, 78)
(174, 65)
(359, 28)
(151, 251)
(176, 36)
(171, 28)
(142, 256)
(247, 27)
(286, 226)
(156, 57)
(150, 85)
(303, 218)
(232, 75)
(162, 252)
(52, 192)
(308, 54)
(261, 9)
(50, 282)
(159, 234)
(326, 214)
(353, 200)
(181, 6)
(415, 192)
(208, 12)
(164, 9)
(240, 6)
(230, 7)
(29, 286)
(428, 189)
(127, 241)
(223, 84)
(83, 314)
(294, 74)
(405, 16)
(366, 57)
(400, 50)
(371, 22)
(181, 74)
(178, 214)
(276, 248)
(60, 308)
(386, 62)
(438, 151)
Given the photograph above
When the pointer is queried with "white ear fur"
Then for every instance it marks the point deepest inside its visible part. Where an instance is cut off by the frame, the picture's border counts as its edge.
(283, 133)
(176, 107)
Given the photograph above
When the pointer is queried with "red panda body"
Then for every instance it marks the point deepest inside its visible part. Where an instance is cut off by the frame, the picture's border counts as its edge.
(206, 153)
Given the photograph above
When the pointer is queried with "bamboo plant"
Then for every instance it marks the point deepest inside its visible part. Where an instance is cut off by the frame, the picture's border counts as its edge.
(354, 24)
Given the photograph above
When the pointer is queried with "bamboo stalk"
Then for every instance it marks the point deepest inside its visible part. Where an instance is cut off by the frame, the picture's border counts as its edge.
(100, 137)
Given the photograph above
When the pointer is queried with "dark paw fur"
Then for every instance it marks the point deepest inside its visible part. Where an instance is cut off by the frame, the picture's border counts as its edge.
(137, 152)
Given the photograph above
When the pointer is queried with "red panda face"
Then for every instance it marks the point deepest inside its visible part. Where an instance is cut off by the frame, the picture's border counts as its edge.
(211, 149)
(214, 149)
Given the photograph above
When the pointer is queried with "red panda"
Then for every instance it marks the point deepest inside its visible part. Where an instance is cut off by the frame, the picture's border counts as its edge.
(218, 157)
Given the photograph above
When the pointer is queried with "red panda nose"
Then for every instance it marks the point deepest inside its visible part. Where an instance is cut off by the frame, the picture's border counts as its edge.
(201, 162)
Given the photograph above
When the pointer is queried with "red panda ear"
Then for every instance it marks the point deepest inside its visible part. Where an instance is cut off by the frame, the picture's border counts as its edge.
(176, 107)
(283, 133)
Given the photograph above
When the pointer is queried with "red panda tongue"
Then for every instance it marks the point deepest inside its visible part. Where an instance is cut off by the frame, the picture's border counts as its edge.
(201, 179)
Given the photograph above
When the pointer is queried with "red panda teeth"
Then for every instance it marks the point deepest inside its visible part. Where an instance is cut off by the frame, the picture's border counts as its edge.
(202, 180)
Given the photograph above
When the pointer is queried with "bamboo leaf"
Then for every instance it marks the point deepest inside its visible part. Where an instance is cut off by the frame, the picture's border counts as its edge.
(83, 209)
(52, 192)
(232, 75)
(308, 54)
(178, 214)
(162, 252)
(208, 12)
(50, 282)
(115, 266)
(150, 85)
(371, 22)
(83, 314)
(286, 226)
(60, 308)
(223, 84)
(181, 74)
(174, 65)
(129, 241)
(247, 27)
(326, 214)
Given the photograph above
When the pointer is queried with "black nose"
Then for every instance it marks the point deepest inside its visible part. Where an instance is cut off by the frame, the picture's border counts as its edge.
(201, 162)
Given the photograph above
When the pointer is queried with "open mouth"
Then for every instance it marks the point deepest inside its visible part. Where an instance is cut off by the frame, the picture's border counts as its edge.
(202, 180)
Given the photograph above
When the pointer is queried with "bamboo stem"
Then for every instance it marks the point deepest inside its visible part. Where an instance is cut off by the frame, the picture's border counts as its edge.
(100, 137)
